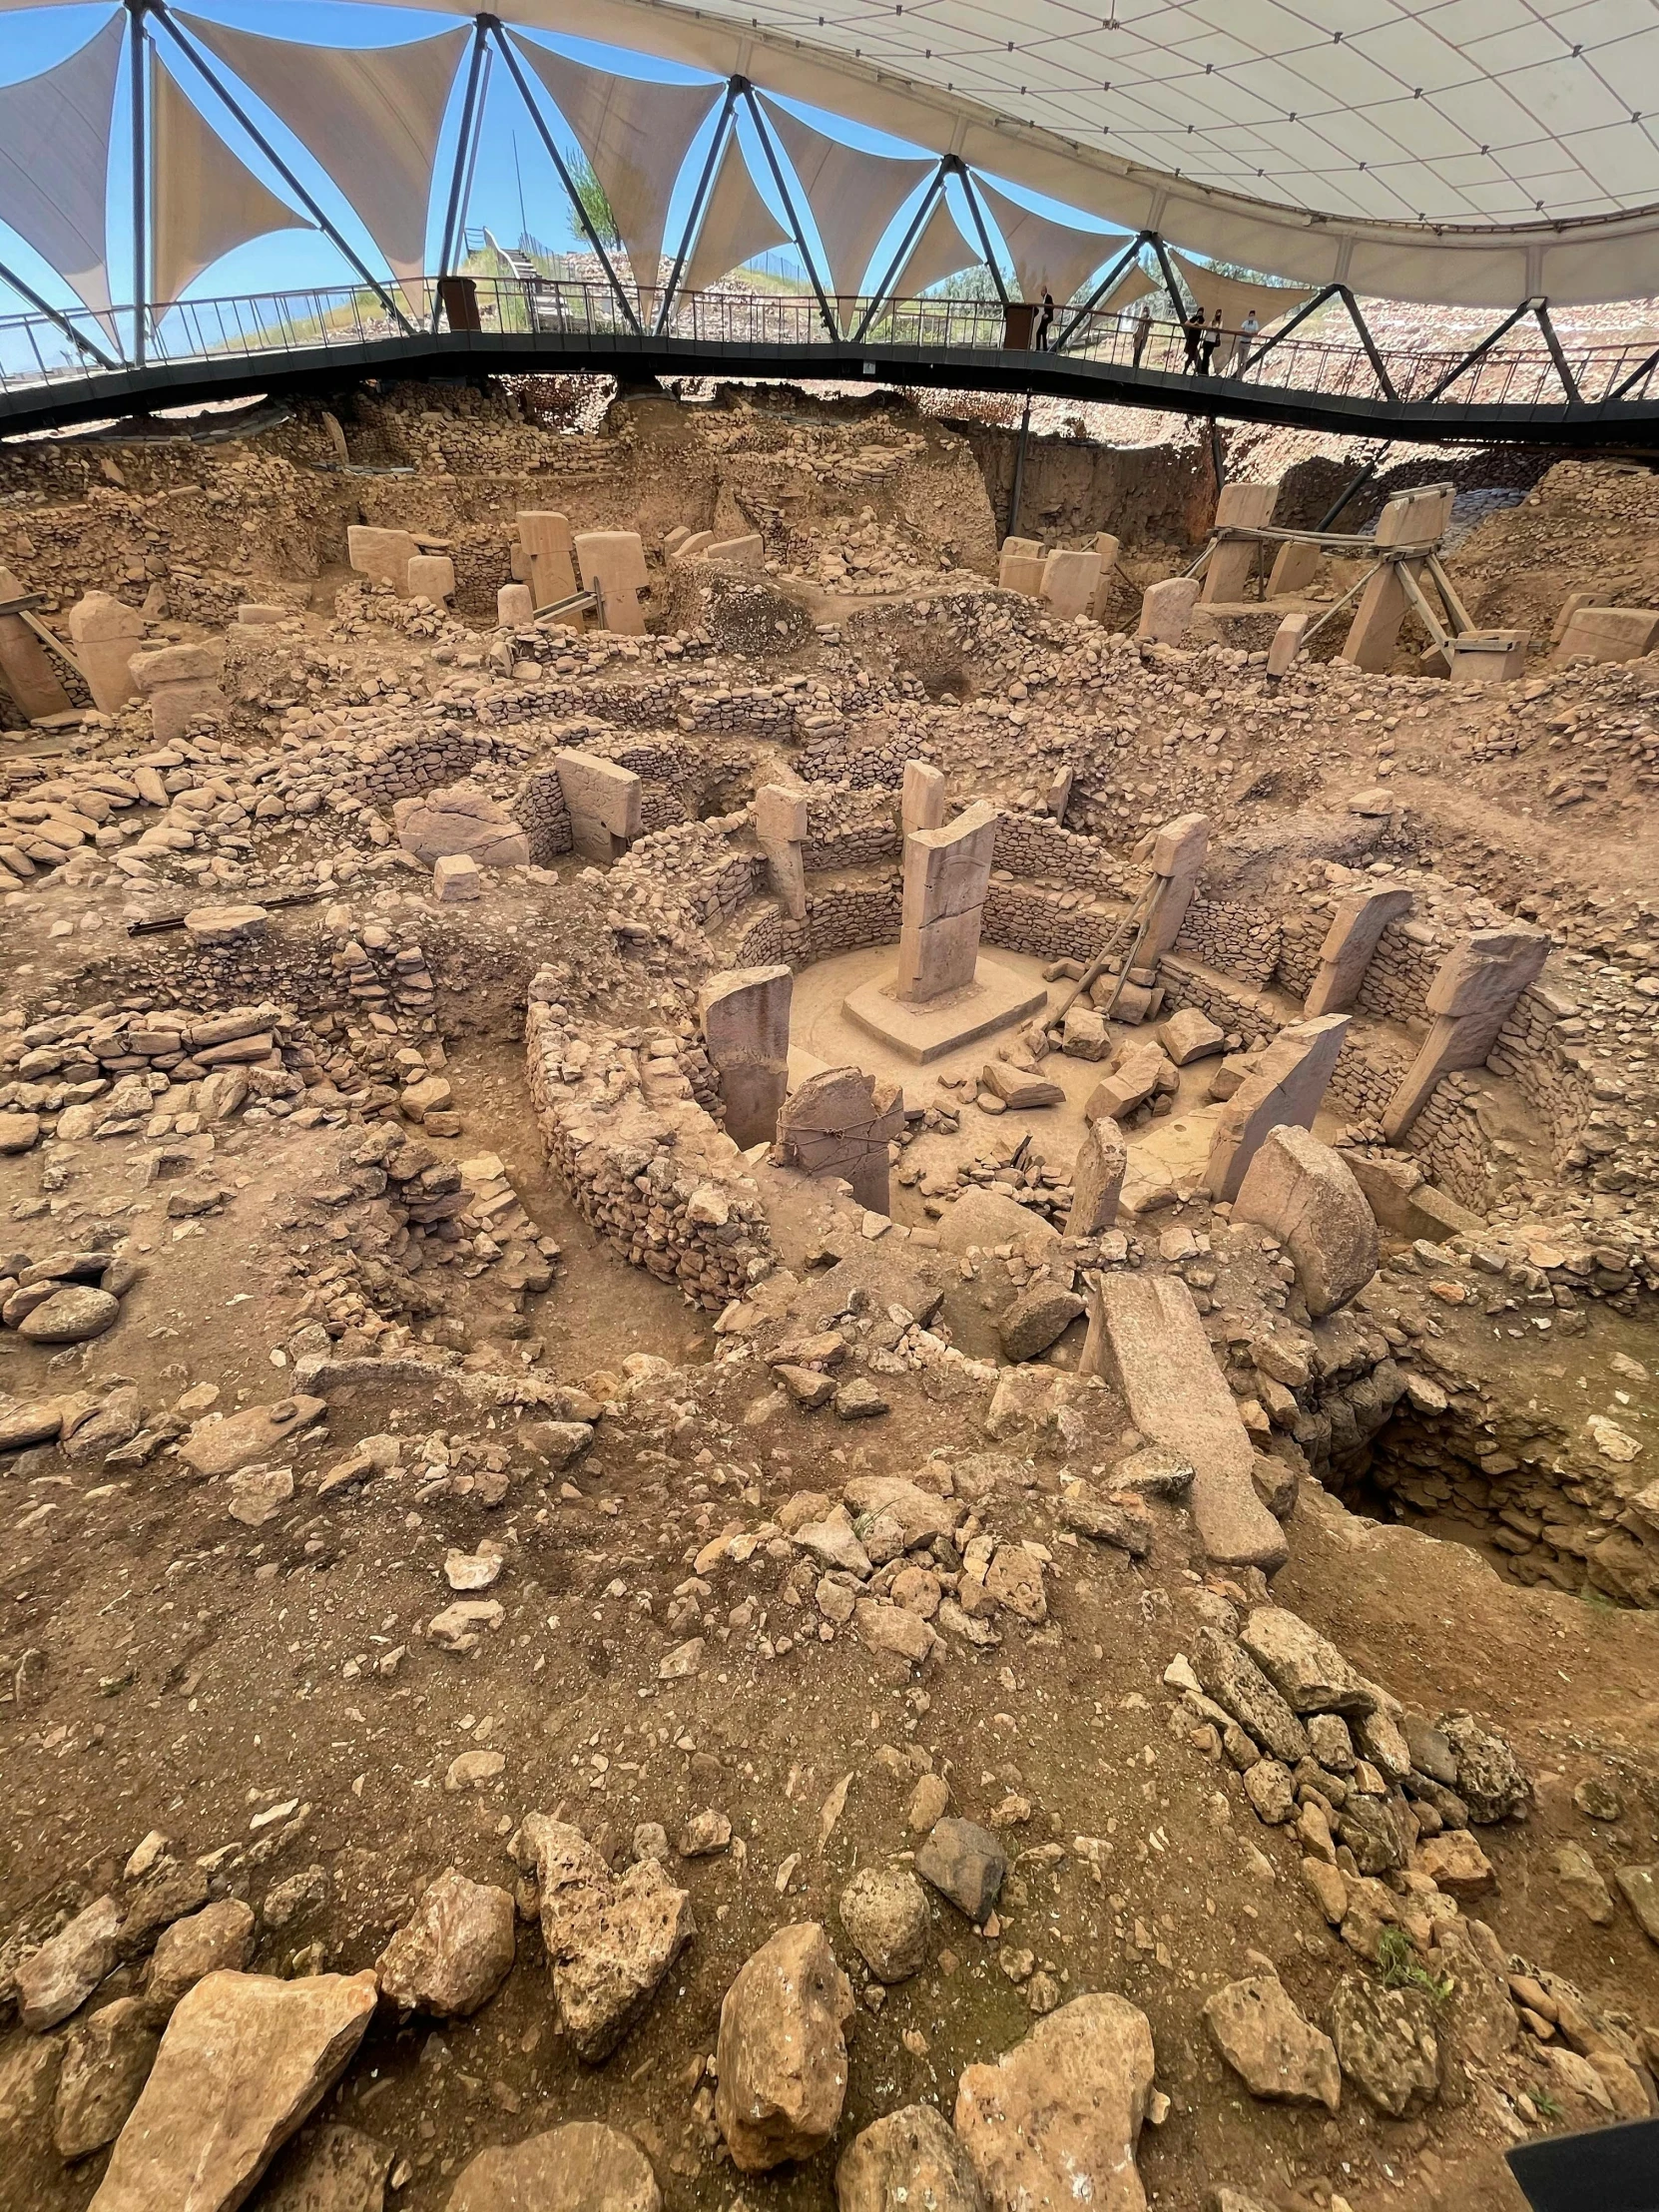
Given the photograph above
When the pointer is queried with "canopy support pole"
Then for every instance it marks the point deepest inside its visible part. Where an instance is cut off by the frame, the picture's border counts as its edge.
(10, 277)
(773, 163)
(878, 300)
(1129, 254)
(136, 55)
(694, 219)
(460, 169)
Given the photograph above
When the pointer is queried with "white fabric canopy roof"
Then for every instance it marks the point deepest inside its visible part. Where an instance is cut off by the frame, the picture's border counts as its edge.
(940, 252)
(203, 199)
(636, 132)
(854, 196)
(370, 116)
(1046, 254)
(54, 161)
(737, 223)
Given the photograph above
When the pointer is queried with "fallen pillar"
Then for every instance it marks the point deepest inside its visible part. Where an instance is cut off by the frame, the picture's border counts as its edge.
(603, 801)
(1307, 1196)
(745, 1013)
(1283, 1090)
(1145, 1336)
(1349, 944)
(1609, 634)
(1468, 1001)
(840, 1123)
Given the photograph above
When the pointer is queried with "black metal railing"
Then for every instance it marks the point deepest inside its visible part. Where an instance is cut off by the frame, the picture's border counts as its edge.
(46, 355)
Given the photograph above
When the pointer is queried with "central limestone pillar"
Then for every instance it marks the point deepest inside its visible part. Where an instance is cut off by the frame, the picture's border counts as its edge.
(943, 994)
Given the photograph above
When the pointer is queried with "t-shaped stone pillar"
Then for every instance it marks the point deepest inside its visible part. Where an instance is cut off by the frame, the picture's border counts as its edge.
(615, 561)
(1167, 608)
(1470, 999)
(745, 1014)
(106, 633)
(1349, 942)
(1096, 1179)
(840, 1122)
(549, 557)
(921, 799)
(1411, 519)
(1246, 507)
(603, 801)
(1175, 856)
(780, 833)
(25, 671)
(946, 875)
(1284, 1092)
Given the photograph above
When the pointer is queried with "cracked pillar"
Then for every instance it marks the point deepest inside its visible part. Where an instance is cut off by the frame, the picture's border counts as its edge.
(1245, 507)
(1469, 1000)
(946, 875)
(840, 1122)
(615, 561)
(1352, 939)
(921, 800)
(1096, 1179)
(1167, 608)
(548, 558)
(603, 801)
(745, 1013)
(780, 833)
(1175, 854)
(1283, 1091)
(1411, 519)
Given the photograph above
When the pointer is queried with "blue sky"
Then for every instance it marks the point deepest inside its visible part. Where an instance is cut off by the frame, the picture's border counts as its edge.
(514, 184)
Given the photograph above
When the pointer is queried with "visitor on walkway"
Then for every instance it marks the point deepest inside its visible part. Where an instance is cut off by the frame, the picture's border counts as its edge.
(1143, 330)
(1241, 345)
(1044, 321)
(1192, 330)
(1208, 342)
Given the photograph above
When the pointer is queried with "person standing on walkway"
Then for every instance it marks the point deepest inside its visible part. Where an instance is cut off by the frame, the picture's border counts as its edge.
(1208, 340)
(1143, 330)
(1044, 321)
(1192, 330)
(1246, 339)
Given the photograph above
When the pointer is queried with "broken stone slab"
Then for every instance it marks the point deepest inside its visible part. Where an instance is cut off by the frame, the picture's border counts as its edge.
(1084, 1034)
(610, 1941)
(460, 820)
(1609, 634)
(1407, 1205)
(1307, 1196)
(106, 2063)
(1283, 1090)
(26, 670)
(921, 796)
(1306, 1668)
(1097, 1179)
(839, 1122)
(220, 1444)
(430, 576)
(1190, 1035)
(1269, 2046)
(1018, 1089)
(456, 876)
(220, 1937)
(583, 2166)
(1055, 2123)
(1349, 944)
(383, 556)
(1233, 560)
(964, 1862)
(245, 2059)
(747, 551)
(911, 2157)
(1289, 637)
(745, 1016)
(455, 1952)
(781, 2051)
(1070, 580)
(1234, 1680)
(57, 1979)
(1167, 609)
(984, 1218)
(1140, 1069)
(1145, 1335)
(1038, 1318)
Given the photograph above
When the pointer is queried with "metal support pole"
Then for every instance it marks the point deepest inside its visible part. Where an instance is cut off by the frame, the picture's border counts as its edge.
(565, 178)
(1307, 307)
(1569, 383)
(935, 185)
(1019, 471)
(773, 163)
(978, 215)
(1385, 382)
(1479, 352)
(157, 10)
(1217, 461)
(1344, 499)
(55, 314)
(1168, 267)
(1100, 290)
(458, 173)
(1642, 369)
(694, 219)
(136, 58)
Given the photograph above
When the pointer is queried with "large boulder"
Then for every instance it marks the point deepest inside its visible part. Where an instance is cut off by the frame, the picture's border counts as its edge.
(781, 2052)
(986, 1217)
(582, 2167)
(1385, 2043)
(1306, 1668)
(1307, 1195)
(1054, 2123)
(609, 1941)
(245, 2059)
(909, 2161)
(460, 820)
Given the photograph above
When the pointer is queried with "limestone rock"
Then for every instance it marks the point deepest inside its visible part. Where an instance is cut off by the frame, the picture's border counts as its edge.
(1038, 1318)
(244, 2058)
(884, 1910)
(908, 2161)
(328, 2170)
(1640, 1885)
(257, 1432)
(1306, 1668)
(965, 1863)
(1385, 2043)
(581, 2167)
(71, 1315)
(986, 1217)
(106, 2063)
(1190, 1035)
(221, 1936)
(1456, 1863)
(1490, 1780)
(1307, 1195)
(1234, 1680)
(57, 1979)
(609, 1941)
(782, 2054)
(1267, 2043)
(460, 820)
(456, 1952)
(1054, 2123)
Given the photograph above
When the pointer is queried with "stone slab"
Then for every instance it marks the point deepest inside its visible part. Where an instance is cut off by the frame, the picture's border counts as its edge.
(1283, 1090)
(995, 999)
